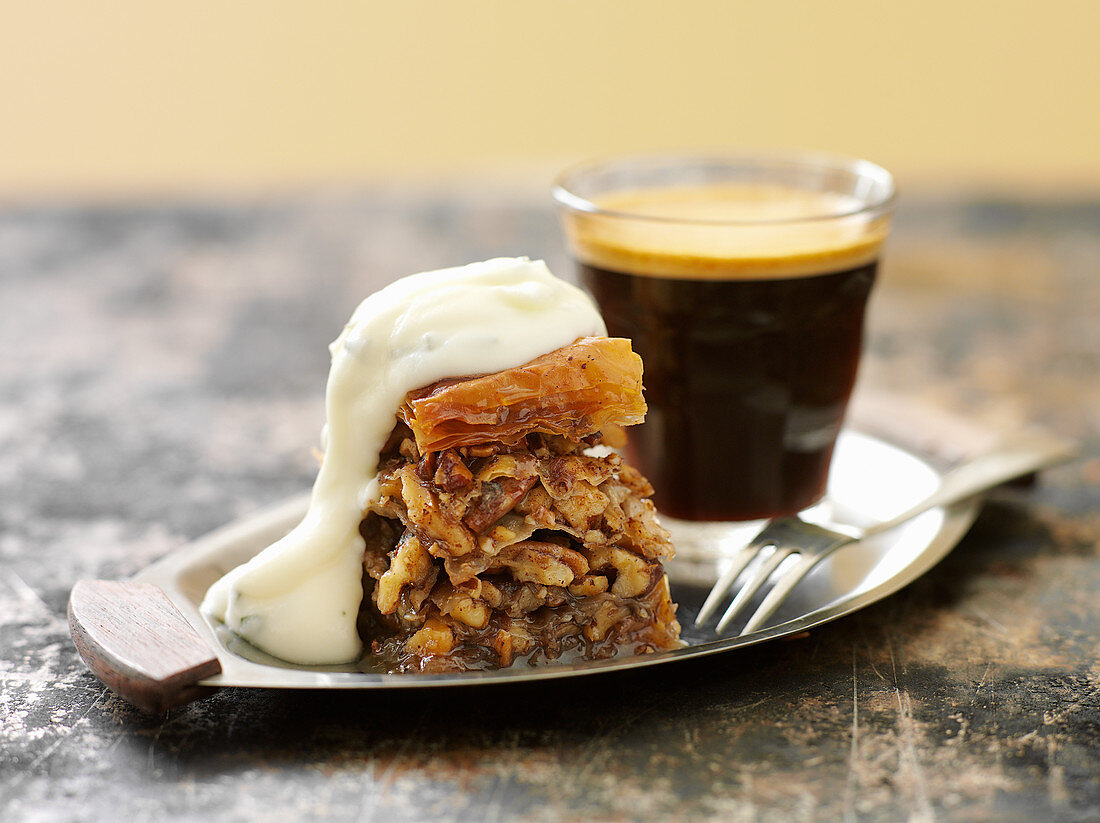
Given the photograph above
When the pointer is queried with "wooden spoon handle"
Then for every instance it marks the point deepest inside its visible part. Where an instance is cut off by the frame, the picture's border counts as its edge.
(137, 642)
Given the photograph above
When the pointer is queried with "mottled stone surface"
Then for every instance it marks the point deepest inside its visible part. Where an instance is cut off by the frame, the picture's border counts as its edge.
(162, 374)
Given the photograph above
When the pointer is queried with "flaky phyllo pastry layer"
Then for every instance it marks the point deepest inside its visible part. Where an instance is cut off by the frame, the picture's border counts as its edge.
(507, 529)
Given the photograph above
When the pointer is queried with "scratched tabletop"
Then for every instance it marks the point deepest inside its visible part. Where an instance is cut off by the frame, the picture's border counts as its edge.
(162, 371)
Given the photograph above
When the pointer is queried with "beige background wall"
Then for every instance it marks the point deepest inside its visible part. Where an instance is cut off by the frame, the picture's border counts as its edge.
(146, 96)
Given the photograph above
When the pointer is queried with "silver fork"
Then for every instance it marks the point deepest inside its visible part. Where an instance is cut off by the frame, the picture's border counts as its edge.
(811, 542)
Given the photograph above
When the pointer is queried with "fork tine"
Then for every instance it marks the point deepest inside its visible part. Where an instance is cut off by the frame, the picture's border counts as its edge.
(779, 592)
(725, 581)
(752, 587)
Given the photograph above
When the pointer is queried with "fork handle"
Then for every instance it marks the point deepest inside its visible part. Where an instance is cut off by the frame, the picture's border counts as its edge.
(1020, 456)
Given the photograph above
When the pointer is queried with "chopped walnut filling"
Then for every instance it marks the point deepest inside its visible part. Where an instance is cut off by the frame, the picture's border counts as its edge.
(481, 555)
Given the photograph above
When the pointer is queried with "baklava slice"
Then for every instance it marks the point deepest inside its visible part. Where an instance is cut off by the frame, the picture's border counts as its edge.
(508, 529)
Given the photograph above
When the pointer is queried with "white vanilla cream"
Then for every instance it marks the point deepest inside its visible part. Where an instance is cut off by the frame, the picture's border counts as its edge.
(298, 599)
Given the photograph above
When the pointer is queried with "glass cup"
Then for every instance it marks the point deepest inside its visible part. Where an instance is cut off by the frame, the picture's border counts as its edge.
(742, 282)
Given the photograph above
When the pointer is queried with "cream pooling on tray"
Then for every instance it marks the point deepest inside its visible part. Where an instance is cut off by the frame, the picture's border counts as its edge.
(299, 598)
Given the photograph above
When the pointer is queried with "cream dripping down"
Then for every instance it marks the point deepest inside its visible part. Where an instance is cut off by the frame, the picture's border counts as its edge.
(299, 598)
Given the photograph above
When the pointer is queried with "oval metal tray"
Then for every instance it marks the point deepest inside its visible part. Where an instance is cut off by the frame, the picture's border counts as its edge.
(870, 480)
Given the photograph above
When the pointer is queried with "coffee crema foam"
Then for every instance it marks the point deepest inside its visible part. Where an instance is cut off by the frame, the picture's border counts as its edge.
(726, 232)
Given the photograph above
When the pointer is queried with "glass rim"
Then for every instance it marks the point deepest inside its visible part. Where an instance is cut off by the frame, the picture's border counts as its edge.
(563, 193)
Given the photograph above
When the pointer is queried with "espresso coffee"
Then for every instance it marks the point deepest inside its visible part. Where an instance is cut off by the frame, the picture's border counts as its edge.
(751, 338)
(748, 430)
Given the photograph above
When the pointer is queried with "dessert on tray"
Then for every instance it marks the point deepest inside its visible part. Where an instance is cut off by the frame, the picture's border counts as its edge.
(469, 511)
(506, 528)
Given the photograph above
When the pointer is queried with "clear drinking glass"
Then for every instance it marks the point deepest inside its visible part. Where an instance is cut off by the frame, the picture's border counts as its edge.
(742, 282)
